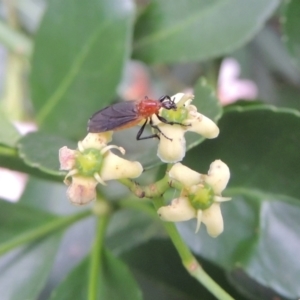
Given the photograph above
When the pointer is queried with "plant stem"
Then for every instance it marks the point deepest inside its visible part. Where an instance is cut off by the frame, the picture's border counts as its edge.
(15, 41)
(189, 261)
(6, 151)
(57, 224)
(156, 189)
(96, 254)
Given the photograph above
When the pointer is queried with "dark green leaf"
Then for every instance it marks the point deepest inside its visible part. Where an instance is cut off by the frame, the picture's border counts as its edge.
(198, 30)
(25, 270)
(40, 150)
(164, 277)
(20, 224)
(8, 133)
(18, 221)
(269, 46)
(77, 62)
(130, 228)
(261, 237)
(291, 26)
(261, 147)
(115, 281)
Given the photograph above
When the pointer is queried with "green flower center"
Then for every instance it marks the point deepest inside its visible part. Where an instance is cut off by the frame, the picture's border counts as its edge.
(179, 115)
(202, 198)
(89, 162)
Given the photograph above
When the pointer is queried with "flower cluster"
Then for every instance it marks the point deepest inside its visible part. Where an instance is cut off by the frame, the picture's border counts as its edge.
(200, 196)
(94, 163)
(172, 150)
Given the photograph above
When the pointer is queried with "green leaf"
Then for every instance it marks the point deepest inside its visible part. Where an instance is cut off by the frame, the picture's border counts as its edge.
(129, 228)
(25, 270)
(40, 150)
(291, 26)
(160, 276)
(20, 224)
(76, 64)
(269, 47)
(9, 135)
(261, 147)
(198, 30)
(261, 237)
(18, 221)
(115, 281)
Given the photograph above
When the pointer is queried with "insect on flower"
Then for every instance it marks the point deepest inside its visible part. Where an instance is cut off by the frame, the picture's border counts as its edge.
(130, 113)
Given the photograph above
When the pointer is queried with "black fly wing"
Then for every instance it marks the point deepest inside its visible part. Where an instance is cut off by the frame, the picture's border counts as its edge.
(113, 116)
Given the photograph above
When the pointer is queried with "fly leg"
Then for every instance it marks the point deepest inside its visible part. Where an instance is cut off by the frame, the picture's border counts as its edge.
(158, 129)
(140, 132)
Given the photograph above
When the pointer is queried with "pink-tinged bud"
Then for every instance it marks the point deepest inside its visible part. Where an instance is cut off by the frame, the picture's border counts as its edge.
(66, 158)
(94, 163)
(82, 190)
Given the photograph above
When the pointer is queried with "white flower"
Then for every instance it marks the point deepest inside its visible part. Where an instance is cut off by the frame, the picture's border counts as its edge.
(94, 163)
(172, 145)
(200, 197)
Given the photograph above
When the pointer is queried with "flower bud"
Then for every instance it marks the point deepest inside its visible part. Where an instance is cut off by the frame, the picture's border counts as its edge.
(171, 151)
(115, 167)
(203, 125)
(82, 190)
(66, 158)
(96, 140)
(212, 218)
(218, 176)
(180, 209)
(184, 175)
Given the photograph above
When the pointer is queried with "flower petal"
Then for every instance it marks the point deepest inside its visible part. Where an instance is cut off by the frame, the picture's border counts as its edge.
(212, 218)
(66, 158)
(218, 176)
(185, 175)
(115, 167)
(82, 190)
(202, 125)
(95, 140)
(171, 151)
(180, 209)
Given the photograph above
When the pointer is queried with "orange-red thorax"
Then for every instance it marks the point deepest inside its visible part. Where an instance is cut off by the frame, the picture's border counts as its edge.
(148, 107)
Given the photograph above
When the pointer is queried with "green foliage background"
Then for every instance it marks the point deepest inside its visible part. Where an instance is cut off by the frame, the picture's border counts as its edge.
(74, 60)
